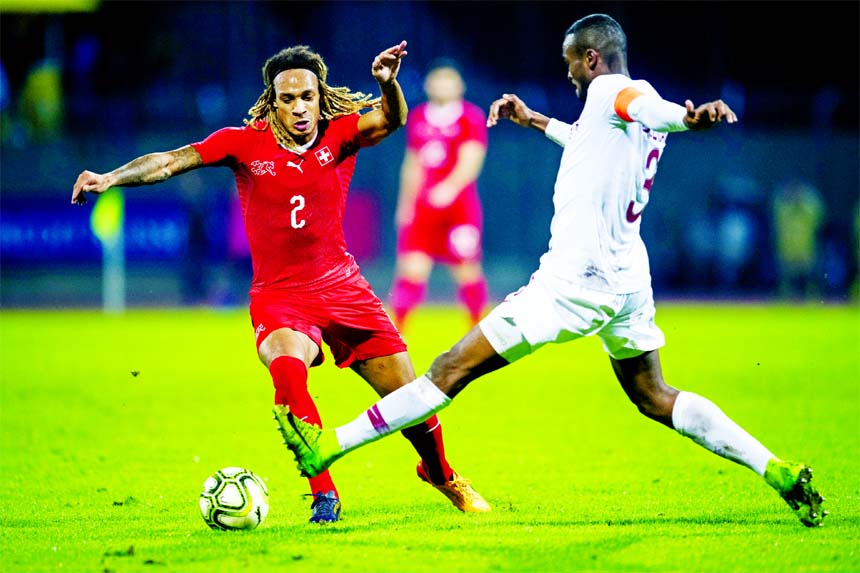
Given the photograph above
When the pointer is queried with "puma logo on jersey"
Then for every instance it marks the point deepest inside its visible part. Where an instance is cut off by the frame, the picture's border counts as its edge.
(259, 330)
(262, 167)
(296, 165)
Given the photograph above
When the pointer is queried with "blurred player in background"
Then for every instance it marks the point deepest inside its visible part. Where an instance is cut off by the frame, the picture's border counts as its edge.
(593, 280)
(439, 214)
(798, 216)
(293, 162)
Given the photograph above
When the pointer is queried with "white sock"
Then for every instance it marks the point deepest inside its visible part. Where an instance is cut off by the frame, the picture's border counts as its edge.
(702, 421)
(406, 406)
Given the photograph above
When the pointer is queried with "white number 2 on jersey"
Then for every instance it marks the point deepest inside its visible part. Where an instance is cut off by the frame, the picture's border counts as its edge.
(299, 202)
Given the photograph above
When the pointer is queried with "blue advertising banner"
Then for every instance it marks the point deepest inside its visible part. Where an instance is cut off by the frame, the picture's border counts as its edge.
(35, 233)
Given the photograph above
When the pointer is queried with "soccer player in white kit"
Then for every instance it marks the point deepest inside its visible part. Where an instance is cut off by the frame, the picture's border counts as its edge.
(593, 280)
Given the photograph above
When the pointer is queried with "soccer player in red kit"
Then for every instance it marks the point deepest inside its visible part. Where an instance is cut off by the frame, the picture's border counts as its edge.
(439, 216)
(293, 161)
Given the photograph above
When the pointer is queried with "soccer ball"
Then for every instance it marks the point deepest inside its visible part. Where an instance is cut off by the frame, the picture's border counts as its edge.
(234, 498)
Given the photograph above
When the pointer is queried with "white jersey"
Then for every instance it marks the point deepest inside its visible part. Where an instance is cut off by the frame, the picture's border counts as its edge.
(603, 183)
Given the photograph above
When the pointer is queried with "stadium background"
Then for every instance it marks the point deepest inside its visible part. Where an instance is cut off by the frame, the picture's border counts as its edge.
(91, 85)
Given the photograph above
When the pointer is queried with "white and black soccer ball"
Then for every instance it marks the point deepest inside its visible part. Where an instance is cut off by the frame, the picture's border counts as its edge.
(234, 498)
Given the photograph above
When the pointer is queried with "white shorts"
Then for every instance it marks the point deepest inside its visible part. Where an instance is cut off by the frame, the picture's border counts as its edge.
(553, 310)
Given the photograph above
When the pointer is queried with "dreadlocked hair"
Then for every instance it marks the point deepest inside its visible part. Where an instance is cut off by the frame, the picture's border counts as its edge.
(334, 101)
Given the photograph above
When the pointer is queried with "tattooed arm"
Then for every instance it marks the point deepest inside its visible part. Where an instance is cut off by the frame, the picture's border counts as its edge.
(145, 170)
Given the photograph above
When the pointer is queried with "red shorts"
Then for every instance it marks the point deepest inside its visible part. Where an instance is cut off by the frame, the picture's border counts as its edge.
(449, 235)
(347, 316)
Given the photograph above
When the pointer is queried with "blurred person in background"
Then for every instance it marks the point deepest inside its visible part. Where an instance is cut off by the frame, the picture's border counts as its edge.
(293, 161)
(197, 206)
(439, 214)
(740, 234)
(42, 104)
(593, 280)
(238, 253)
(798, 215)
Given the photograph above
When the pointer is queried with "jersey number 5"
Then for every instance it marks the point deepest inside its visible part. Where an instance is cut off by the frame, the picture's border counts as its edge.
(299, 202)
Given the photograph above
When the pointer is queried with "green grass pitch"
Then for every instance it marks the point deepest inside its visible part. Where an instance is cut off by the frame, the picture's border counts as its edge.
(101, 470)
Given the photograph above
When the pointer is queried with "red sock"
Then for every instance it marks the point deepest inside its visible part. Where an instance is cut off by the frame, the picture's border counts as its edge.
(290, 377)
(426, 438)
(474, 296)
(405, 296)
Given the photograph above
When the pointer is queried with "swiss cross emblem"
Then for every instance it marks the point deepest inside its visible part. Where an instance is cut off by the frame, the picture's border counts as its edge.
(324, 156)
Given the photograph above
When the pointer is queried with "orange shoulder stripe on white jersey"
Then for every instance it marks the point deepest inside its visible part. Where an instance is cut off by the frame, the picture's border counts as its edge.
(623, 99)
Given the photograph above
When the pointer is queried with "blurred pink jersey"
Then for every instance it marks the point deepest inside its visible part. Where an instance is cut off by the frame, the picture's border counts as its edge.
(450, 234)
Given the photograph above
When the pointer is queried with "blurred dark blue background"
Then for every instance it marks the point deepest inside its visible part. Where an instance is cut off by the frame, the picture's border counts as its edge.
(94, 89)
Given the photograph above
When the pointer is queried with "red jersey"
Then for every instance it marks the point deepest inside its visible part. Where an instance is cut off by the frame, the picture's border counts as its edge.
(292, 203)
(437, 143)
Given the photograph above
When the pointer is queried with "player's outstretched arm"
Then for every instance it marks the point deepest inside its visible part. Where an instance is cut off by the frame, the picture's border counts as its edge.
(708, 114)
(513, 108)
(380, 123)
(145, 170)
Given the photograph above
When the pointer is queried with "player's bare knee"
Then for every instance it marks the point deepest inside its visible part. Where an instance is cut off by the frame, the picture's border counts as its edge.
(446, 372)
(657, 404)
